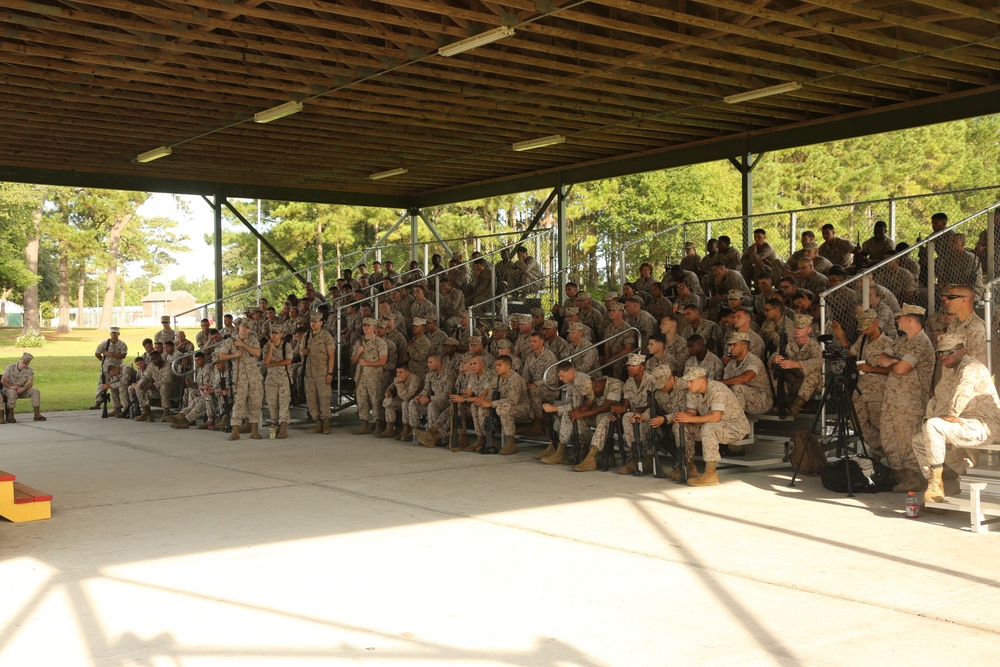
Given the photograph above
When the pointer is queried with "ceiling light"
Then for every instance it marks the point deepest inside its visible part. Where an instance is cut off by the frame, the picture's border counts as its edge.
(155, 154)
(388, 174)
(762, 92)
(475, 41)
(280, 111)
(541, 142)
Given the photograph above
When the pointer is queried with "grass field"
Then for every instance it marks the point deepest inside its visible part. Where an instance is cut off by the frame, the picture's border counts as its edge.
(66, 372)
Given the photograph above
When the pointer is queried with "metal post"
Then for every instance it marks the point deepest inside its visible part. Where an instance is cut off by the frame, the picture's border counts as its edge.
(892, 219)
(563, 261)
(708, 231)
(337, 351)
(414, 236)
(219, 198)
(437, 293)
(991, 244)
(988, 313)
(793, 231)
(931, 292)
(866, 284)
(258, 253)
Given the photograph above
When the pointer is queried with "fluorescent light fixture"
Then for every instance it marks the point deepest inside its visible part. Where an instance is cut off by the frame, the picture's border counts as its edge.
(388, 174)
(155, 154)
(475, 41)
(280, 111)
(541, 142)
(762, 92)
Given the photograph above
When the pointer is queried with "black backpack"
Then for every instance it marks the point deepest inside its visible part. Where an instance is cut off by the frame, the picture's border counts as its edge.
(867, 476)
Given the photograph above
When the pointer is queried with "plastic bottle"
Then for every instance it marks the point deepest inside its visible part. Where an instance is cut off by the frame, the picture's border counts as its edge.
(274, 434)
(912, 506)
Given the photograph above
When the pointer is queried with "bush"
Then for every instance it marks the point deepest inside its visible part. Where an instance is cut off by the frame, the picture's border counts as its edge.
(31, 339)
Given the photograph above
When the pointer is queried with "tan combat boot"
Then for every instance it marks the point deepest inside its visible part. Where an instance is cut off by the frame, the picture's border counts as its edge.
(692, 471)
(245, 426)
(3, 416)
(364, 429)
(509, 446)
(254, 433)
(326, 426)
(463, 440)
(144, 416)
(166, 417)
(797, 407)
(117, 412)
(10, 416)
(223, 424)
(235, 435)
(406, 435)
(388, 430)
(477, 445)
(708, 478)
(908, 481)
(935, 487)
(548, 451)
(589, 463)
(206, 425)
(629, 468)
(282, 431)
(557, 456)
(429, 437)
(180, 422)
(317, 427)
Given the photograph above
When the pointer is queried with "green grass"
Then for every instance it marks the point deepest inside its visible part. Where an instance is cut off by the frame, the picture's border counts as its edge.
(66, 372)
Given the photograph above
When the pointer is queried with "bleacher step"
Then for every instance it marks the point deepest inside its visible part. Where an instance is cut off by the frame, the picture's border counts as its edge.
(19, 502)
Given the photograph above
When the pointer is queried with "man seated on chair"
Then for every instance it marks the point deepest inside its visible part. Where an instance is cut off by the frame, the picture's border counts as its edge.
(712, 415)
(511, 405)
(579, 398)
(746, 376)
(802, 360)
(19, 381)
(636, 403)
(156, 381)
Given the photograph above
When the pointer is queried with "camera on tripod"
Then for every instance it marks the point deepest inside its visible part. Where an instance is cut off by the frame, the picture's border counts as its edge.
(838, 357)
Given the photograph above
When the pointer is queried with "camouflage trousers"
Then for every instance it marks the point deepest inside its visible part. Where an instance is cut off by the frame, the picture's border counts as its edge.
(393, 406)
(318, 393)
(870, 418)
(369, 394)
(144, 391)
(898, 428)
(540, 394)
(566, 426)
(941, 442)
(802, 385)
(32, 393)
(278, 392)
(754, 401)
(248, 398)
(202, 406)
(601, 426)
(711, 435)
(510, 413)
(438, 405)
(630, 429)
(119, 396)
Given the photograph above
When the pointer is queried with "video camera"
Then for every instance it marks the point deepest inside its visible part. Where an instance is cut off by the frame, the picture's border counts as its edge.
(838, 357)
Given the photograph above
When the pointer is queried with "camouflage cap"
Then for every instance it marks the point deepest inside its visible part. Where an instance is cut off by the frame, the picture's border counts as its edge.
(810, 246)
(451, 341)
(611, 296)
(690, 244)
(465, 313)
(575, 326)
(910, 309)
(164, 319)
(636, 360)
(537, 312)
(504, 344)
(382, 323)
(419, 321)
(244, 323)
(474, 340)
(616, 305)
(467, 357)
(432, 317)
(738, 337)
(660, 375)
(498, 324)
(570, 311)
(369, 322)
(582, 296)
(27, 356)
(318, 317)
(803, 321)
(866, 318)
(693, 373)
(949, 341)
(734, 294)
(520, 318)
(114, 330)
(550, 324)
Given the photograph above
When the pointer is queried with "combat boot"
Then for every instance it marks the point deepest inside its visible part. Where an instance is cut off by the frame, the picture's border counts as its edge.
(509, 447)
(95, 406)
(326, 426)
(364, 429)
(379, 427)
(548, 451)
(797, 407)
(3, 416)
(117, 412)
(908, 481)
(181, 422)
(10, 416)
(428, 438)
(463, 439)
(235, 435)
(589, 463)
(557, 456)
(206, 425)
(692, 471)
(282, 431)
(935, 487)
(317, 427)
(629, 468)
(406, 435)
(254, 433)
(166, 417)
(223, 424)
(388, 430)
(245, 426)
(708, 478)
(477, 445)
(144, 416)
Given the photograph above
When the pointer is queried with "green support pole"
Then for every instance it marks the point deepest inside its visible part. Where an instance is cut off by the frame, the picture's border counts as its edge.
(217, 212)
(562, 256)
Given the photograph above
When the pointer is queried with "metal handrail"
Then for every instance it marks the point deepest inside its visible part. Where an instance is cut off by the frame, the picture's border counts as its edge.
(177, 359)
(638, 337)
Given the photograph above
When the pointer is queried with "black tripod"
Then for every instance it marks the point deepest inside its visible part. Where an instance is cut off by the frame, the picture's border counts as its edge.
(847, 427)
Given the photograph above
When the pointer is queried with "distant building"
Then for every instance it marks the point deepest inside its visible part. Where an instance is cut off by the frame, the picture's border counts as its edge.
(157, 304)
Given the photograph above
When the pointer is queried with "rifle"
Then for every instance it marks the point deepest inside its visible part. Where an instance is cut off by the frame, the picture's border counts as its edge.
(682, 461)
(105, 397)
(653, 436)
(133, 399)
(454, 422)
(639, 449)
(780, 395)
(225, 383)
(490, 423)
(576, 446)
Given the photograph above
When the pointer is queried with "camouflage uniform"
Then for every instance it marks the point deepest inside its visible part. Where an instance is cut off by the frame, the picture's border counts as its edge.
(644, 322)
(248, 386)
(559, 348)
(532, 372)
(202, 406)
(755, 397)
(321, 347)
(418, 350)
(401, 393)
(838, 251)
(613, 391)
(486, 382)
(968, 394)
(868, 403)
(731, 429)
(711, 363)
(638, 398)
(616, 346)
(513, 403)
(906, 400)
(20, 377)
(158, 382)
(677, 351)
(973, 331)
(578, 393)
(163, 335)
(437, 387)
(278, 383)
(370, 385)
(708, 330)
(803, 382)
(587, 361)
(114, 348)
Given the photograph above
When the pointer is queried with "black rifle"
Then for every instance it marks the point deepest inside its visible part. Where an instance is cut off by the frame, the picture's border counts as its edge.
(226, 382)
(134, 410)
(654, 437)
(105, 397)
(608, 457)
(491, 423)
(639, 449)
(780, 394)
(576, 444)
(455, 420)
(682, 462)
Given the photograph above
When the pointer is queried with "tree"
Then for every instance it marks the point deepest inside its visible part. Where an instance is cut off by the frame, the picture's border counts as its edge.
(18, 205)
(161, 244)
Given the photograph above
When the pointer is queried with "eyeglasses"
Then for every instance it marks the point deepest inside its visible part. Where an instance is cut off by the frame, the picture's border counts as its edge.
(947, 353)
(949, 297)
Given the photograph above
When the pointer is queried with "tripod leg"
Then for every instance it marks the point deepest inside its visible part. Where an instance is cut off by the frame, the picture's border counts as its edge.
(812, 429)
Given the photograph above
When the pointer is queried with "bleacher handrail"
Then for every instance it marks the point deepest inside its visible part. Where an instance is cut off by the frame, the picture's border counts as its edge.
(638, 337)
(178, 358)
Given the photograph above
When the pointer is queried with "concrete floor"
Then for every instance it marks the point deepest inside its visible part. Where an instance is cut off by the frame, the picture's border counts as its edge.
(180, 548)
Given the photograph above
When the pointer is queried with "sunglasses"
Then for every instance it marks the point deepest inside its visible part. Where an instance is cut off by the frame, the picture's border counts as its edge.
(950, 297)
(947, 353)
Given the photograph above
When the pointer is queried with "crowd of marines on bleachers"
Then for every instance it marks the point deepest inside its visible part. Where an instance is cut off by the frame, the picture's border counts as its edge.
(703, 346)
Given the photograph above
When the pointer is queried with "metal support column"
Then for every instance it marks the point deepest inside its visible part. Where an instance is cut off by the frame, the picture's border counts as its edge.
(793, 232)
(414, 236)
(437, 235)
(562, 256)
(892, 220)
(745, 165)
(217, 213)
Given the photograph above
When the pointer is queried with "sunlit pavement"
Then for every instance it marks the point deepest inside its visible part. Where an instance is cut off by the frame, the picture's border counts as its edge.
(172, 547)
